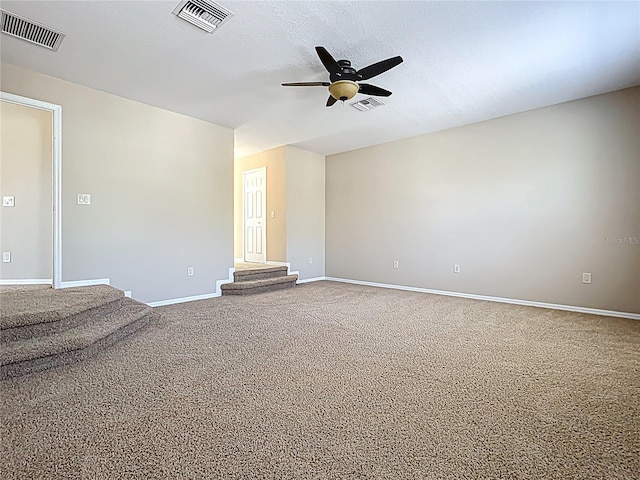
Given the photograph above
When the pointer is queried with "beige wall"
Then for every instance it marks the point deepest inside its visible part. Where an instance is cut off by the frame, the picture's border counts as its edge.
(305, 212)
(26, 162)
(524, 203)
(161, 187)
(275, 162)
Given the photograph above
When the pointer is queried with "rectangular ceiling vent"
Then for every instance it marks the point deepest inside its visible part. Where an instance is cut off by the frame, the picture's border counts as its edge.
(204, 14)
(367, 104)
(30, 31)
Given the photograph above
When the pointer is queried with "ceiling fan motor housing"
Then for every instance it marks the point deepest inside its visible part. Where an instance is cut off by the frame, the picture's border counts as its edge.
(346, 72)
(343, 89)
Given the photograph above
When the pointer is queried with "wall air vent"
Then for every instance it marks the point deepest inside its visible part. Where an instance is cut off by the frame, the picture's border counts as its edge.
(204, 14)
(30, 31)
(367, 104)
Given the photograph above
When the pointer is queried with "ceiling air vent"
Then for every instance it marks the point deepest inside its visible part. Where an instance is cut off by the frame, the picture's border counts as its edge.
(203, 14)
(367, 104)
(30, 31)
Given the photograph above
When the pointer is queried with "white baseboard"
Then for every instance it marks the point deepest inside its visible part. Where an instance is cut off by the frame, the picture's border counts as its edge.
(219, 283)
(86, 283)
(218, 292)
(27, 281)
(552, 306)
(173, 301)
(309, 280)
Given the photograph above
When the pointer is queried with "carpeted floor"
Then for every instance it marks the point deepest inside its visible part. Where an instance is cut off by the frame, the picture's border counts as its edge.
(337, 381)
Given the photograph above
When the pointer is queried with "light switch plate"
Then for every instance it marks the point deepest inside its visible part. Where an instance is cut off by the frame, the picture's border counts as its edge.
(8, 201)
(84, 199)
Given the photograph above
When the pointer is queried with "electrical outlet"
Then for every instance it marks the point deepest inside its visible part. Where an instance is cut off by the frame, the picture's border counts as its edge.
(396, 264)
(127, 293)
(6, 257)
(273, 214)
(456, 269)
(8, 201)
(84, 199)
(310, 260)
(190, 271)
(586, 278)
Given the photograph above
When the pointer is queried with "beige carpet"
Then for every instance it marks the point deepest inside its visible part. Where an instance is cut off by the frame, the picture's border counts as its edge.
(335, 381)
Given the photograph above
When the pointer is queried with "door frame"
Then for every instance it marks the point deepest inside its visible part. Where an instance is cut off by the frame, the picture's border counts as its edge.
(244, 212)
(56, 110)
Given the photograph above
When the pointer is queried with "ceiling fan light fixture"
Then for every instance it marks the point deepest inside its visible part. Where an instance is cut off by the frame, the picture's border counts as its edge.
(343, 89)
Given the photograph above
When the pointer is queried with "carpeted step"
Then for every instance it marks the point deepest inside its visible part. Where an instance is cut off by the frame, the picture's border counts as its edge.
(20, 357)
(66, 322)
(259, 273)
(31, 313)
(259, 286)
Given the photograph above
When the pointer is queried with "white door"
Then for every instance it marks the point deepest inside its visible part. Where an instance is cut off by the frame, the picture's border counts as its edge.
(255, 210)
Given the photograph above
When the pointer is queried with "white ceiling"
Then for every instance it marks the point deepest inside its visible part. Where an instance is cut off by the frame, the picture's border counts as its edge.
(463, 61)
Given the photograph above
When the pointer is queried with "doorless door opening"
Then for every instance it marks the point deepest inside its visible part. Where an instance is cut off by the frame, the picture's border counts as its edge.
(56, 111)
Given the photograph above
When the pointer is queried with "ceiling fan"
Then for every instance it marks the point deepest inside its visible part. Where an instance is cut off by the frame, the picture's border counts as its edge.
(343, 77)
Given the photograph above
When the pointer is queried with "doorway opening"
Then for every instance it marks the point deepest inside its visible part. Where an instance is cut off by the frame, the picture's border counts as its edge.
(56, 177)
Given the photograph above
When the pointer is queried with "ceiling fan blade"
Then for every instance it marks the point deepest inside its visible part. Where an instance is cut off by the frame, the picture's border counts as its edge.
(373, 90)
(330, 101)
(377, 68)
(327, 60)
(306, 84)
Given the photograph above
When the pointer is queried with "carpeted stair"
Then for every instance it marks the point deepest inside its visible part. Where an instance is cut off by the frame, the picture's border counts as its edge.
(246, 282)
(44, 328)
